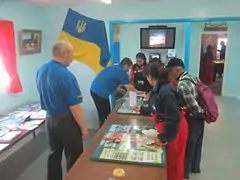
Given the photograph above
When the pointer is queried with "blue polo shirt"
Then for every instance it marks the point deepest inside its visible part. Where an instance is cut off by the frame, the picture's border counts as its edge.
(108, 80)
(58, 88)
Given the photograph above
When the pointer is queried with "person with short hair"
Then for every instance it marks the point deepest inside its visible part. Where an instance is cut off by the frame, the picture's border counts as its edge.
(194, 114)
(106, 83)
(61, 97)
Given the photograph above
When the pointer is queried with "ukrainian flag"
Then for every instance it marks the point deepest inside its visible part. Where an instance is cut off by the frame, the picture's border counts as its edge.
(89, 40)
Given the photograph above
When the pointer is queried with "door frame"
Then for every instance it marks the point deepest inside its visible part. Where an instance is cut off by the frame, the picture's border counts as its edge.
(187, 33)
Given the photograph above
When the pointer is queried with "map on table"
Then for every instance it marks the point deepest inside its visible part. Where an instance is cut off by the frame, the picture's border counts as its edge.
(125, 107)
(128, 144)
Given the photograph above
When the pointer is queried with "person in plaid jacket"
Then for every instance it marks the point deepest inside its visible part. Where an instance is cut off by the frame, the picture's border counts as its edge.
(188, 93)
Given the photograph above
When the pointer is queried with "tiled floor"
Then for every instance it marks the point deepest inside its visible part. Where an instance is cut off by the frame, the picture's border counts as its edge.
(220, 156)
(217, 86)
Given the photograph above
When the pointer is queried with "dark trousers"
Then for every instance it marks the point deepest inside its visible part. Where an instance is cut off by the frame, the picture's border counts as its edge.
(65, 135)
(103, 107)
(218, 69)
(194, 144)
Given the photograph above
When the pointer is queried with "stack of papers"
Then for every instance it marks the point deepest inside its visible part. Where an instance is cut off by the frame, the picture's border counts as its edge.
(10, 136)
(31, 125)
(132, 99)
(2, 146)
(38, 115)
(3, 131)
(12, 123)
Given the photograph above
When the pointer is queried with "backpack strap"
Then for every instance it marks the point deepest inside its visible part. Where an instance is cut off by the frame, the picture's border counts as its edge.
(187, 79)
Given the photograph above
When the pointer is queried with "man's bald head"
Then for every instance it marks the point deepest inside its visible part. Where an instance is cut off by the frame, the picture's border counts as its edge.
(63, 52)
(61, 46)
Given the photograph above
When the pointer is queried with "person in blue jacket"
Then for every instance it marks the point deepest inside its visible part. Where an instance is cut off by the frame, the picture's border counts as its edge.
(106, 83)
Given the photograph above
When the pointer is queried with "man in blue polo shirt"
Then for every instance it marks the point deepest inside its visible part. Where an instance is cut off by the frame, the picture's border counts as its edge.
(61, 97)
(106, 82)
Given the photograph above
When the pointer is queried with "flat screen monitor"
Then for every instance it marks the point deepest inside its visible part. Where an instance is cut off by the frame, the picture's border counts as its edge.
(157, 38)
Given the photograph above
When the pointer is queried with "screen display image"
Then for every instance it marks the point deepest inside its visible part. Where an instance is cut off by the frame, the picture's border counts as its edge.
(157, 38)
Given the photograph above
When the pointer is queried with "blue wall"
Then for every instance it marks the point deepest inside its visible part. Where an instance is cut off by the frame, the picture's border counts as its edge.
(231, 81)
(130, 39)
(24, 17)
(50, 20)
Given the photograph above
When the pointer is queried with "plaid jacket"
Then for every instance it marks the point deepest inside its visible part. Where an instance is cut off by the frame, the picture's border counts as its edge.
(188, 93)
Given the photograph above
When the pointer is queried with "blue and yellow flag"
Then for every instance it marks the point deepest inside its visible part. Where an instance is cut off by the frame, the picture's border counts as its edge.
(89, 40)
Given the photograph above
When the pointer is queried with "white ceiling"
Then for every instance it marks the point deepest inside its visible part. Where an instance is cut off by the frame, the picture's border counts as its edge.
(67, 2)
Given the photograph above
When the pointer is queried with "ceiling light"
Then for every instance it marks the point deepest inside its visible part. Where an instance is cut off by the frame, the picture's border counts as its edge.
(107, 1)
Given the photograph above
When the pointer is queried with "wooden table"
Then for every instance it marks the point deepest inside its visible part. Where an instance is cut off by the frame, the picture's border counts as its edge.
(87, 169)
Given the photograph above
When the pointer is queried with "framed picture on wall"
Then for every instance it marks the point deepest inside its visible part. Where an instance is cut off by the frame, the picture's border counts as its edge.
(30, 41)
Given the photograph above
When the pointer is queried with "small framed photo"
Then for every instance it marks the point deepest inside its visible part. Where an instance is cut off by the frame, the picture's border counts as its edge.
(30, 41)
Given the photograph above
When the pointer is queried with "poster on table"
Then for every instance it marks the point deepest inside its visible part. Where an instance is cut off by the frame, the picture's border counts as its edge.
(130, 144)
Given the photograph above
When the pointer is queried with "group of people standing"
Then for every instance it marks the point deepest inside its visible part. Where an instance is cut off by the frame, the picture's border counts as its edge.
(172, 101)
(177, 114)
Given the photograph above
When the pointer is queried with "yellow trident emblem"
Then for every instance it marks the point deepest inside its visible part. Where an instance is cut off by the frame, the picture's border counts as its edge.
(81, 26)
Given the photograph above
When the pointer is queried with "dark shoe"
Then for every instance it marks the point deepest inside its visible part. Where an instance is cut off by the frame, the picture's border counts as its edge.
(186, 176)
(198, 171)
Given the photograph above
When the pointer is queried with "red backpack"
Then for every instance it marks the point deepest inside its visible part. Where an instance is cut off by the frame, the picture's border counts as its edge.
(206, 100)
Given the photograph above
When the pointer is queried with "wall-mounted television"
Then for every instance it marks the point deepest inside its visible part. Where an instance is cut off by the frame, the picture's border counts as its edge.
(157, 38)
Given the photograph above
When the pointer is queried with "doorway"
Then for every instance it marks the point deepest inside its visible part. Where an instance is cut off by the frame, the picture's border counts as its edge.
(212, 60)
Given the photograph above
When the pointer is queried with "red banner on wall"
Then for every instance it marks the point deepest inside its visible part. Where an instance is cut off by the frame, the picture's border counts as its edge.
(8, 55)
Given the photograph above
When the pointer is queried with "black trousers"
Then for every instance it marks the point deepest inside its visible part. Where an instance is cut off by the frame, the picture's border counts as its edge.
(103, 107)
(194, 144)
(218, 69)
(64, 134)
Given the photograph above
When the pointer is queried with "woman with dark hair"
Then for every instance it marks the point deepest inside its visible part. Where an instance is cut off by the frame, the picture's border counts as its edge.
(169, 120)
(155, 60)
(137, 78)
(161, 66)
(208, 66)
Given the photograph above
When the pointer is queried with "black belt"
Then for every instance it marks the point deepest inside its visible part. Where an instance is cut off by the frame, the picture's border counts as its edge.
(60, 116)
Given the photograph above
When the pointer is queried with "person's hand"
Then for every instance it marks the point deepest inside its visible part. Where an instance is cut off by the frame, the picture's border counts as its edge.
(147, 97)
(85, 133)
(140, 92)
(136, 108)
(158, 142)
(122, 91)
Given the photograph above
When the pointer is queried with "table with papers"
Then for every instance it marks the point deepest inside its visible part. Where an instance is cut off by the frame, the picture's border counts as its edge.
(16, 125)
(129, 101)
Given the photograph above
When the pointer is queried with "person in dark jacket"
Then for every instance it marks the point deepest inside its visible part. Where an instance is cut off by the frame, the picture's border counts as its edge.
(194, 115)
(222, 50)
(137, 77)
(170, 122)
